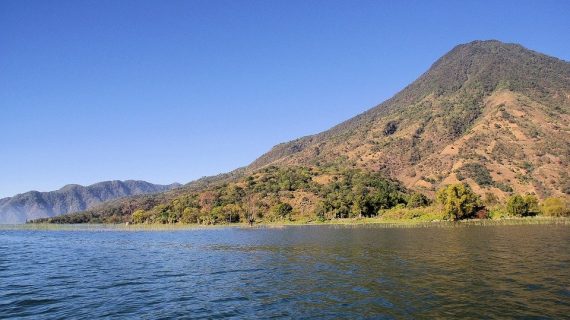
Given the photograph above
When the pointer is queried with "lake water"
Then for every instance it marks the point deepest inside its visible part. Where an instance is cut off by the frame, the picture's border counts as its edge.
(293, 272)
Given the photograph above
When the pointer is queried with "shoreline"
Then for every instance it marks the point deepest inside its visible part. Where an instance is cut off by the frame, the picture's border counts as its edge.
(347, 222)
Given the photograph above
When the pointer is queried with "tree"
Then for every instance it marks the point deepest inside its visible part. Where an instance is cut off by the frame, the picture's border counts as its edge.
(520, 206)
(139, 216)
(516, 205)
(250, 202)
(556, 207)
(458, 201)
(190, 215)
(321, 211)
(417, 200)
(532, 204)
(282, 210)
(232, 212)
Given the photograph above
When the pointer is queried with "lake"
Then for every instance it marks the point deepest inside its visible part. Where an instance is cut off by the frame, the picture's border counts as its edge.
(316, 272)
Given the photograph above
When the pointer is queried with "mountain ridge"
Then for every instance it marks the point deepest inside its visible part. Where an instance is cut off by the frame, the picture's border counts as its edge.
(71, 198)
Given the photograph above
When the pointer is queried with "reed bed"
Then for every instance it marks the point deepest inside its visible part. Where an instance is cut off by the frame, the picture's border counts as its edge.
(344, 223)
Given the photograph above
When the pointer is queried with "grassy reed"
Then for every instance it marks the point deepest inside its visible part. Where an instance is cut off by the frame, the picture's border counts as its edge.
(349, 222)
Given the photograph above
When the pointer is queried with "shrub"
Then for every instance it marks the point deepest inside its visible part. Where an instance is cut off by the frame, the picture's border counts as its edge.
(423, 214)
(390, 128)
(478, 173)
(555, 207)
(498, 212)
(458, 201)
(527, 166)
(503, 187)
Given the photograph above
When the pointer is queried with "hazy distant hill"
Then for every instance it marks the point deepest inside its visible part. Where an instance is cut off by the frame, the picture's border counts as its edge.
(493, 115)
(71, 198)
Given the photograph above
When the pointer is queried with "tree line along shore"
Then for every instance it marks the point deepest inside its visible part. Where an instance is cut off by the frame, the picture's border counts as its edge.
(317, 195)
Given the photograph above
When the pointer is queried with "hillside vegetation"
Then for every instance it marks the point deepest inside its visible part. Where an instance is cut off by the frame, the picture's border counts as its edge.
(270, 194)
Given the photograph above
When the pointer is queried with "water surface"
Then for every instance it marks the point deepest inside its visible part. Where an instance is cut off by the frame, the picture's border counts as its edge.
(292, 272)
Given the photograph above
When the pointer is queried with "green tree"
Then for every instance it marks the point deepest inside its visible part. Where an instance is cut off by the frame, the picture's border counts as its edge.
(532, 204)
(556, 207)
(190, 215)
(520, 206)
(321, 211)
(516, 205)
(232, 212)
(417, 200)
(217, 215)
(139, 216)
(458, 201)
(282, 210)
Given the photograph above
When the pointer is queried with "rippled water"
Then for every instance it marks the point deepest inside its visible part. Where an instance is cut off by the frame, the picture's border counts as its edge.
(293, 272)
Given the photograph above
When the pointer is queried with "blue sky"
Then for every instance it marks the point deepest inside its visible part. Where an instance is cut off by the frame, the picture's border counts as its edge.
(169, 91)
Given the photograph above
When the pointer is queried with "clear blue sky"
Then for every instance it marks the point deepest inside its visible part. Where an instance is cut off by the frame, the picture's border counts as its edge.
(169, 91)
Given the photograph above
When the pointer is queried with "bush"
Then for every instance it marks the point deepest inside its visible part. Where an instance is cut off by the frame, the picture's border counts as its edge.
(503, 187)
(422, 214)
(498, 212)
(478, 173)
(458, 201)
(555, 207)
(390, 128)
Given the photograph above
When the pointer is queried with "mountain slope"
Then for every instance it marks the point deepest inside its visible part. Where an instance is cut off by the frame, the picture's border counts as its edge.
(494, 115)
(71, 198)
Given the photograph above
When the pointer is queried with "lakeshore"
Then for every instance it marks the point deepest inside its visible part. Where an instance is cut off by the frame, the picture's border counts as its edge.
(348, 222)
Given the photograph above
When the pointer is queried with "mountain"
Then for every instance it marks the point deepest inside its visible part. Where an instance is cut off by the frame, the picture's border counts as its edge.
(492, 115)
(71, 198)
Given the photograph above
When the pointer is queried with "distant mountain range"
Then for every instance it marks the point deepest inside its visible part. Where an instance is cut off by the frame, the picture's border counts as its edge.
(492, 115)
(71, 198)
